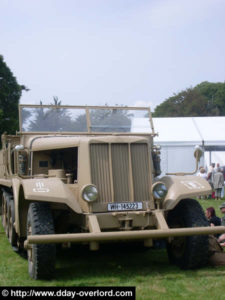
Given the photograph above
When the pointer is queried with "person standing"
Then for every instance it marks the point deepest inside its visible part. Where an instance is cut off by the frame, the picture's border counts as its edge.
(210, 178)
(202, 173)
(218, 183)
(217, 167)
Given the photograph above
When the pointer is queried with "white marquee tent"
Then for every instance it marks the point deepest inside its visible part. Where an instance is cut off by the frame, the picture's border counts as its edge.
(179, 136)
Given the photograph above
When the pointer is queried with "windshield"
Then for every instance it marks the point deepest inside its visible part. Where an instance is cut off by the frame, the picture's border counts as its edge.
(85, 119)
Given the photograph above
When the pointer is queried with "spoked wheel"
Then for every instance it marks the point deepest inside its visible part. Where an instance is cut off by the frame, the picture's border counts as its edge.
(192, 251)
(41, 257)
(11, 219)
(5, 207)
(3, 211)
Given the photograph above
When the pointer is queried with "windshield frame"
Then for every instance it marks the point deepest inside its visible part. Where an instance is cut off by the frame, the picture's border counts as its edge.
(87, 110)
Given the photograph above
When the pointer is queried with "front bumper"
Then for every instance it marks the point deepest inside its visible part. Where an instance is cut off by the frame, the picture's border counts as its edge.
(121, 236)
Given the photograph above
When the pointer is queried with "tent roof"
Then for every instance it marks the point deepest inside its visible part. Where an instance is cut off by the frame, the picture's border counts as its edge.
(190, 130)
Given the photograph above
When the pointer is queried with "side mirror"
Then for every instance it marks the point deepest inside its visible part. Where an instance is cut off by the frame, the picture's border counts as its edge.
(198, 153)
(19, 147)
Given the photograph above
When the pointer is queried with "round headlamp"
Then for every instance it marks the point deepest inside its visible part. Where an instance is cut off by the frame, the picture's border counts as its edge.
(159, 191)
(89, 193)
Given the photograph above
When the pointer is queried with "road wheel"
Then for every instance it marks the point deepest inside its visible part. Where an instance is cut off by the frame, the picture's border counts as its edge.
(11, 219)
(192, 251)
(5, 206)
(41, 257)
(3, 211)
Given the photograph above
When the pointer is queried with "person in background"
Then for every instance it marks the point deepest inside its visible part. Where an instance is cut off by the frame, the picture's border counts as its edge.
(222, 209)
(221, 238)
(218, 183)
(202, 173)
(217, 167)
(223, 171)
(216, 252)
(211, 217)
(210, 176)
(199, 170)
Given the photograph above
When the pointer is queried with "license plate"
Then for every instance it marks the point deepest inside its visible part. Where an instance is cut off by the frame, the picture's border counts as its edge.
(125, 206)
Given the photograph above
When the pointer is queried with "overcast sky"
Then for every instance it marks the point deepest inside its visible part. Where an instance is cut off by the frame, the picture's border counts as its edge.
(130, 52)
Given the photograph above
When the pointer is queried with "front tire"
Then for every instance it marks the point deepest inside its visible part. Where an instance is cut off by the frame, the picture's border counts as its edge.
(192, 251)
(41, 257)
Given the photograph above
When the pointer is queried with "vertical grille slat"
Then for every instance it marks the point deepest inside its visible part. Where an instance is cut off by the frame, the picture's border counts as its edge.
(120, 168)
(140, 168)
(100, 171)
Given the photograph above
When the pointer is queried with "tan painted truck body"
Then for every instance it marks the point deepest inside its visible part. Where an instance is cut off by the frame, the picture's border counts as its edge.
(112, 152)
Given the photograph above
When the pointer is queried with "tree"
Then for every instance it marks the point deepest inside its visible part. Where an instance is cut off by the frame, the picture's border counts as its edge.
(51, 119)
(187, 103)
(10, 93)
(215, 95)
(110, 120)
(56, 118)
(206, 99)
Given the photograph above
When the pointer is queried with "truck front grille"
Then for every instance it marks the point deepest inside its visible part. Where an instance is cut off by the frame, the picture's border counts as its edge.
(120, 172)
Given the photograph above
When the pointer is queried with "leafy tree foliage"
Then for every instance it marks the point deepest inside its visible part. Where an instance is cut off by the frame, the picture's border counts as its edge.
(110, 120)
(51, 119)
(205, 99)
(57, 118)
(215, 95)
(10, 93)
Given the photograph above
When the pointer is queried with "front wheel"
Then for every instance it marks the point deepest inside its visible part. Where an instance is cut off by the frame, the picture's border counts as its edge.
(41, 257)
(192, 251)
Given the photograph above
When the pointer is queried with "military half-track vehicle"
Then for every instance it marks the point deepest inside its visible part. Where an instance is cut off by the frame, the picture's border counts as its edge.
(90, 175)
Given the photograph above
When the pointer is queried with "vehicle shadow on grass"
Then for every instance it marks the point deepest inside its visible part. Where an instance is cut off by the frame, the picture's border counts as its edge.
(121, 264)
(113, 260)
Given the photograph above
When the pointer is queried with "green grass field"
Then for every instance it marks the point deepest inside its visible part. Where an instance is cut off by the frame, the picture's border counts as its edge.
(148, 270)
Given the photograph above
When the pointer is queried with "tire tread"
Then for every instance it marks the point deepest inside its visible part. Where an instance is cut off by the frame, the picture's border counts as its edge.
(41, 220)
(196, 252)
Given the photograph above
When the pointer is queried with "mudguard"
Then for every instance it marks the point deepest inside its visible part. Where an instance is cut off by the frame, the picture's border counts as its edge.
(50, 190)
(183, 187)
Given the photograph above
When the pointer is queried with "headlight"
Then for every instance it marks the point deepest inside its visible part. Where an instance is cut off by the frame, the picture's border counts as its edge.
(89, 193)
(159, 190)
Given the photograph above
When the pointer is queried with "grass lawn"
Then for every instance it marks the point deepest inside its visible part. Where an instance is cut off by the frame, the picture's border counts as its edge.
(148, 270)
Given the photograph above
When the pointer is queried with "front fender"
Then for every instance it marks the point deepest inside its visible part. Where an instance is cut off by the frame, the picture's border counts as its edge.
(183, 187)
(50, 190)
